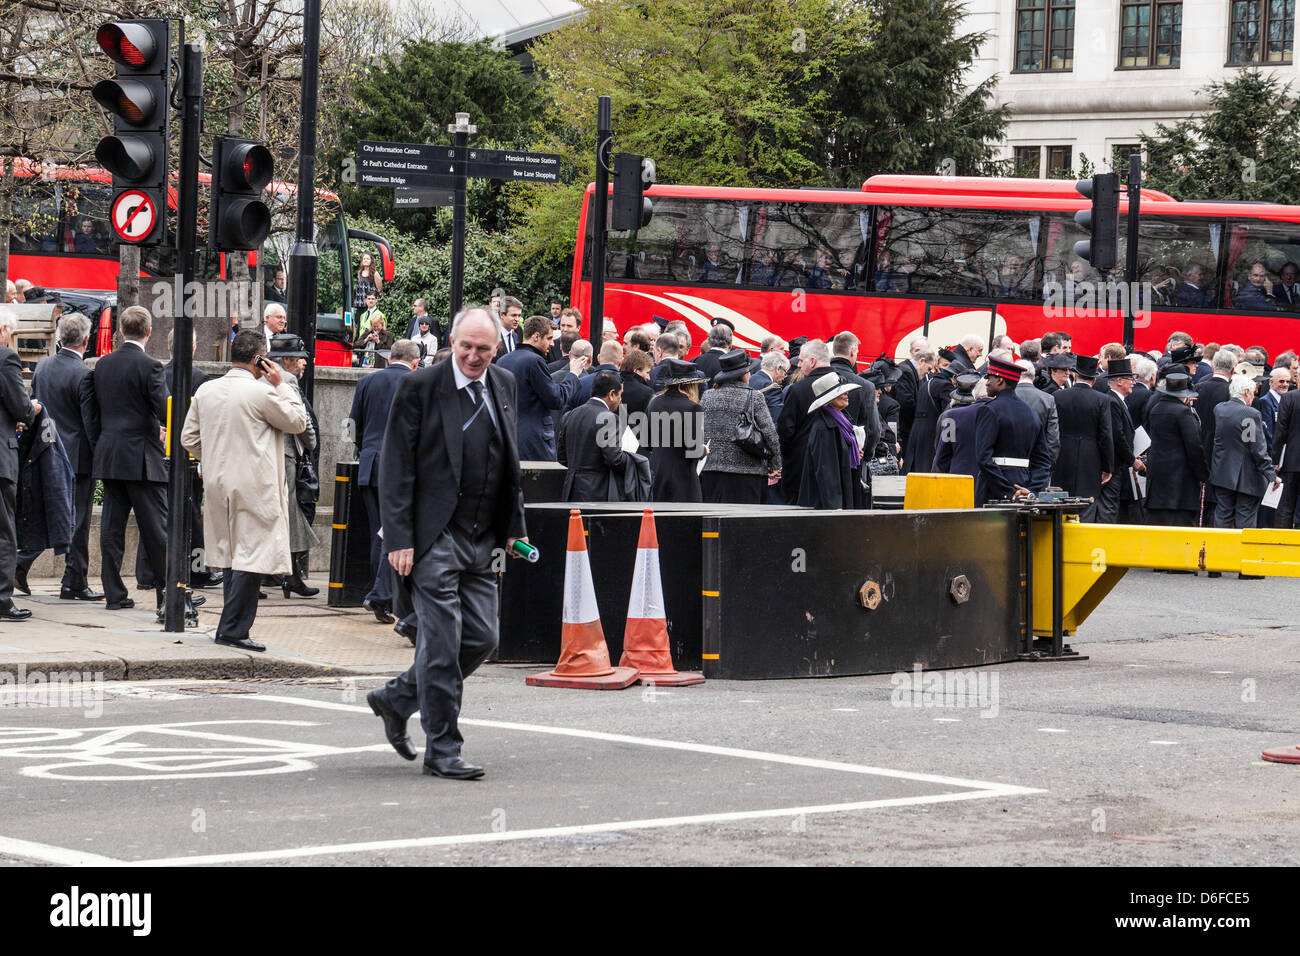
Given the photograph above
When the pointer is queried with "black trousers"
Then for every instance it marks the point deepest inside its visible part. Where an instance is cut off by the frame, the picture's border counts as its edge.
(77, 562)
(1233, 509)
(239, 591)
(8, 539)
(1288, 514)
(456, 597)
(148, 499)
(732, 487)
(381, 588)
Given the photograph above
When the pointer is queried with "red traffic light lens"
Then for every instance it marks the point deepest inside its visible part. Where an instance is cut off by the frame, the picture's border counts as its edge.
(250, 166)
(127, 44)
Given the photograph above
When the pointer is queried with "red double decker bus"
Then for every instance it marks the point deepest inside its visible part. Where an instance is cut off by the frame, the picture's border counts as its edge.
(945, 257)
(63, 241)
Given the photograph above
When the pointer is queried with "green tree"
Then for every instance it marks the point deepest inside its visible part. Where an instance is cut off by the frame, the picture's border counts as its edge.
(726, 92)
(904, 106)
(1245, 146)
(411, 96)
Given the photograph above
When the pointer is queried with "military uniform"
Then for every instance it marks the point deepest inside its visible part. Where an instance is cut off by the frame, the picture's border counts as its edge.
(1010, 443)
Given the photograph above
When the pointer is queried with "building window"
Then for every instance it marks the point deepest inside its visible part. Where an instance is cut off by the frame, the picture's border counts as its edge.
(1140, 46)
(1045, 35)
(1060, 162)
(1119, 156)
(1260, 31)
(1028, 161)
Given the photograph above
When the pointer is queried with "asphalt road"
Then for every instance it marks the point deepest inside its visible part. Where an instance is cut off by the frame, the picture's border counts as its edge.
(1148, 753)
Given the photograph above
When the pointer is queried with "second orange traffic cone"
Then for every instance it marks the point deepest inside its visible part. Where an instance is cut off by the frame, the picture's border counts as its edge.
(645, 639)
(584, 656)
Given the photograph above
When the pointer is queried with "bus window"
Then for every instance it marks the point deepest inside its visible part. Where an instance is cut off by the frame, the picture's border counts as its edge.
(36, 217)
(808, 245)
(966, 252)
(85, 218)
(1263, 265)
(1060, 264)
(687, 240)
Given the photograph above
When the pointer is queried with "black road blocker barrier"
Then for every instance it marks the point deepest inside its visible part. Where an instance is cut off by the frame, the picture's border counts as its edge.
(350, 576)
(755, 592)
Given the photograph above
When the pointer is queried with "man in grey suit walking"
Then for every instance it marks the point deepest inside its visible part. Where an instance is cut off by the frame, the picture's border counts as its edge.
(57, 383)
(1241, 470)
(456, 419)
(15, 409)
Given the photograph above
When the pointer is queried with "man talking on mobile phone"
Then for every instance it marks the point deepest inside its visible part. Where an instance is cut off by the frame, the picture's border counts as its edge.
(235, 428)
(457, 419)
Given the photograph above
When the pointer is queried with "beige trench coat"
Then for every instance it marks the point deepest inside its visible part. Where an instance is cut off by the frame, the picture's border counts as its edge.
(235, 428)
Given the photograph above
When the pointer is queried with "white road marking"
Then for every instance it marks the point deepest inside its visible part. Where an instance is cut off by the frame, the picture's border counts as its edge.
(1166, 743)
(947, 720)
(544, 833)
(1220, 672)
(845, 710)
(692, 747)
(1052, 730)
(44, 853)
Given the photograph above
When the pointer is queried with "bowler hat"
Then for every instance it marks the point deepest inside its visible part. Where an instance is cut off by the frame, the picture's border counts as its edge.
(680, 372)
(287, 345)
(732, 367)
(1177, 384)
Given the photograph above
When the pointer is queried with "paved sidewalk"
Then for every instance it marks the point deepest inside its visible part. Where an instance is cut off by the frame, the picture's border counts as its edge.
(303, 637)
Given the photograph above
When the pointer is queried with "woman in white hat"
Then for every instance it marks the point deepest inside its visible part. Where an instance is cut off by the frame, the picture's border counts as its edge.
(832, 450)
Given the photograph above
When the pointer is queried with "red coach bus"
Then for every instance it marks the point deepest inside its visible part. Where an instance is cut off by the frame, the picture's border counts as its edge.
(62, 240)
(944, 257)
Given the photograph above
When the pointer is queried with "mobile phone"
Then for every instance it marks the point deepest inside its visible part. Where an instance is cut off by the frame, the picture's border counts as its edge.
(263, 364)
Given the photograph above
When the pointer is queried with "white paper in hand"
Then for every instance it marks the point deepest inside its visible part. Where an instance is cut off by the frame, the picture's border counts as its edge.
(629, 441)
(1272, 497)
(1141, 440)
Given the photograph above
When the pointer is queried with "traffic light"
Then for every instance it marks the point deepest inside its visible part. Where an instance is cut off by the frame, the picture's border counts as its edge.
(239, 220)
(1101, 221)
(631, 209)
(136, 153)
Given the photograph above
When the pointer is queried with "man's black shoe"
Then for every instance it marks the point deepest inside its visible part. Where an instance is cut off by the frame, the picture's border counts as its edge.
(407, 630)
(198, 600)
(10, 613)
(452, 767)
(20, 581)
(212, 579)
(79, 594)
(380, 610)
(394, 726)
(1214, 574)
(120, 605)
(244, 644)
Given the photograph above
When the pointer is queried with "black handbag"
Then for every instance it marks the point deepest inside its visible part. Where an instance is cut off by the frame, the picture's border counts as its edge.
(306, 481)
(747, 436)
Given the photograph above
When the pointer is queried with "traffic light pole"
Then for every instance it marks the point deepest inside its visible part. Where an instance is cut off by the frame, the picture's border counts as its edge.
(1131, 250)
(303, 263)
(461, 130)
(187, 220)
(597, 216)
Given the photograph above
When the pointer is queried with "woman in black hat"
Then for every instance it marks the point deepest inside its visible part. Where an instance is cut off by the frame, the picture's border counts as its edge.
(732, 474)
(1175, 463)
(676, 433)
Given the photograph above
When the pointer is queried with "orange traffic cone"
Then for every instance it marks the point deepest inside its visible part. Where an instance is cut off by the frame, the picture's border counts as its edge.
(584, 657)
(645, 639)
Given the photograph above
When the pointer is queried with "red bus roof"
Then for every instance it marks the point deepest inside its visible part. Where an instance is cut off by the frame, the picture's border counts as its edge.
(1024, 195)
(991, 186)
(26, 167)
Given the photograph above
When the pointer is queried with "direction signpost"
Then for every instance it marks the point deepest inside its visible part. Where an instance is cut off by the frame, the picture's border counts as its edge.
(423, 175)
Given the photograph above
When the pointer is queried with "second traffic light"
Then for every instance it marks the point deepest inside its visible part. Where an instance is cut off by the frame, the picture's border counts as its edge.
(1101, 221)
(241, 169)
(136, 153)
(631, 209)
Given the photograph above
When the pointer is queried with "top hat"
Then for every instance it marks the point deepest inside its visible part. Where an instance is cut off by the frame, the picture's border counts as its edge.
(828, 387)
(1119, 368)
(1177, 384)
(1085, 366)
(287, 345)
(680, 372)
(732, 367)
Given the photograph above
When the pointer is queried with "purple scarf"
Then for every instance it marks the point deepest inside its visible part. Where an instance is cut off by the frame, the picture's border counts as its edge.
(846, 432)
